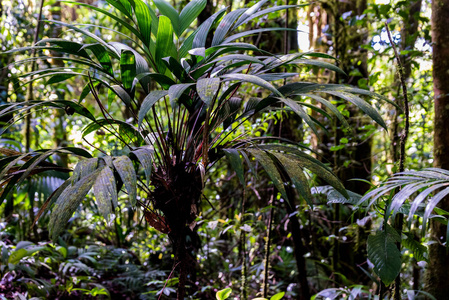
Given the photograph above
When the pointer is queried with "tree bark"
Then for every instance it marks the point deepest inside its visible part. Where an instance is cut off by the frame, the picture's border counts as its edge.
(437, 276)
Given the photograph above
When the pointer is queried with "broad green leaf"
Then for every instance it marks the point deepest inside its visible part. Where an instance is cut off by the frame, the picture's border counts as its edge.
(253, 79)
(234, 158)
(175, 92)
(164, 42)
(83, 168)
(418, 249)
(127, 69)
(143, 16)
(144, 155)
(105, 192)
(224, 294)
(190, 13)
(384, 255)
(148, 102)
(86, 90)
(277, 296)
(276, 76)
(167, 10)
(125, 169)
(127, 5)
(107, 122)
(17, 255)
(119, 5)
(141, 63)
(74, 150)
(68, 202)
(225, 25)
(207, 89)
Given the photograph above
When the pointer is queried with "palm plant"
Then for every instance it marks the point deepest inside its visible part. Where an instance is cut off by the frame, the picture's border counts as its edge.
(177, 131)
(413, 194)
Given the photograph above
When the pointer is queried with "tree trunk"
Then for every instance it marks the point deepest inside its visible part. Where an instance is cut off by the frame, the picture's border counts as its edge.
(437, 276)
(177, 194)
(299, 251)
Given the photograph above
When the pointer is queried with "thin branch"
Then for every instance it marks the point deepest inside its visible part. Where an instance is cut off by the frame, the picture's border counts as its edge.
(400, 217)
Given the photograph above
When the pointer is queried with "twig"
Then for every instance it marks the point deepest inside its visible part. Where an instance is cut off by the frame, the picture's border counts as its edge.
(30, 87)
(169, 276)
(399, 218)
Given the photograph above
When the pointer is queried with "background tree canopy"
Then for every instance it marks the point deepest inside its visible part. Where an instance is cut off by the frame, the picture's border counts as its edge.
(223, 149)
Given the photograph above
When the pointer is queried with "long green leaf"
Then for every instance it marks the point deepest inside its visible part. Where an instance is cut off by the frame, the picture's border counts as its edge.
(254, 31)
(248, 13)
(269, 167)
(207, 89)
(68, 202)
(144, 155)
(105, 192)
(125, 169)
(143, 16)
(253, 79)
(200, 37)
(148, 102)
(117, 19)
(363, 105)
(91, 35)
(254, 15)
(318, 63)
(225, 25)
(297, 176)
(189, 14)
(236, 163)
(167, 10)
(175, 92)
(164, 42)
(127, 69)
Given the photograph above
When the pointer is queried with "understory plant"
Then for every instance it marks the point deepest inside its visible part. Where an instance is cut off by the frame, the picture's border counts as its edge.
(184, 105)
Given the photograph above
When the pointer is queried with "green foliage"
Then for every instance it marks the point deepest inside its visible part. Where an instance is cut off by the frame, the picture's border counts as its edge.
(190, 81)
(428, 184)
(224, 294)
(161, 111)
(384, 254)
